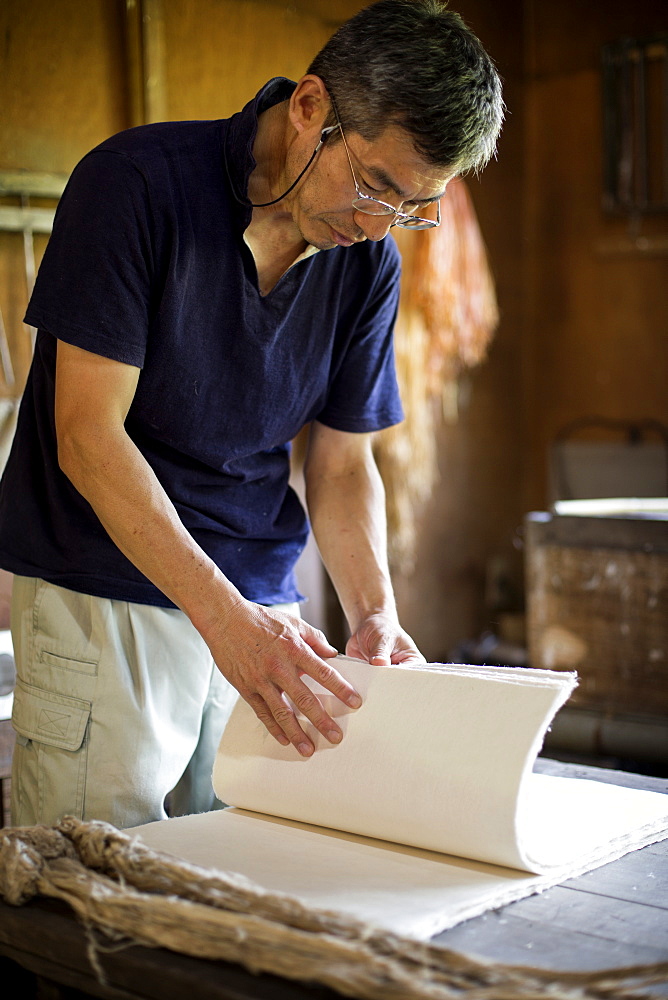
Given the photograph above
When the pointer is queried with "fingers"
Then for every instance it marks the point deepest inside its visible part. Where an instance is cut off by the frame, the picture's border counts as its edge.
(390, 652)
(375, 648)
(333, 681)
(380, 654)
(288, 690)
(316, 639)
(272, 651)
(261, 709)
(278, 717)
(373, 645)
(382, 642)
(409, 658)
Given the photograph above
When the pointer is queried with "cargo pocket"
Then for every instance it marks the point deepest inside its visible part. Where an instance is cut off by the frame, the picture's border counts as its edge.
(49, 774)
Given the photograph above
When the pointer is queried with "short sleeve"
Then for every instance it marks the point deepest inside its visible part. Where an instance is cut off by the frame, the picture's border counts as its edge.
(93, 289)
(363, 394)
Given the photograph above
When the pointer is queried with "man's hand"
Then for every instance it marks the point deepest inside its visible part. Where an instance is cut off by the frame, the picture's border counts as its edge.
(381, 641)
(263, 654)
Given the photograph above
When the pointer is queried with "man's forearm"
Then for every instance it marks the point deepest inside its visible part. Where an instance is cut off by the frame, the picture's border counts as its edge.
(134, 509)
(347, 512)
(346, 502)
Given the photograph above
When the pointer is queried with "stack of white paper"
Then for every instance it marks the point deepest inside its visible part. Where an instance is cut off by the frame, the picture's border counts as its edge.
(427, 813)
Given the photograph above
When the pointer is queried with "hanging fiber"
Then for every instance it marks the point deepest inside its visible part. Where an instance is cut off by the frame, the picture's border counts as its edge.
(447, 316)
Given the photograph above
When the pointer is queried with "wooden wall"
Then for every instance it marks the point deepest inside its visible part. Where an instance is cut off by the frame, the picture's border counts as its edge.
(583, 327)
(596, 331)
(61, 67)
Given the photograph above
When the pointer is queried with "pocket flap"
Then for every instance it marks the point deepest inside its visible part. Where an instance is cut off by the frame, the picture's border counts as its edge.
(49, 718)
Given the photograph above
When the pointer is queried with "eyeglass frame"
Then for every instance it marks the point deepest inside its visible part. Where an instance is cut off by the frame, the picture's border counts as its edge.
(405, 220)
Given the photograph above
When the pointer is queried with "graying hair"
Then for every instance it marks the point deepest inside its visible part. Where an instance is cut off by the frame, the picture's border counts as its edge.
(416, 64)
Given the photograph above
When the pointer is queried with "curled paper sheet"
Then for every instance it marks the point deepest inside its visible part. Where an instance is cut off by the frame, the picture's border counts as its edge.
(435, 758)
(427, 813)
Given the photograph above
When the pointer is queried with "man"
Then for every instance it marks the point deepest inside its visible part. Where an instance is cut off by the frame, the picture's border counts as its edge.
(188, 329)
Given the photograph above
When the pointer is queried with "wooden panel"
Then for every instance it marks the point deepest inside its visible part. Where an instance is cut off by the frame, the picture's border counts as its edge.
(566, 36)
(63, 72)
(63, 75)
(640, 877)
(628, 923)
(331, 12)
(597, 602)
(511, 936)
(220, 54)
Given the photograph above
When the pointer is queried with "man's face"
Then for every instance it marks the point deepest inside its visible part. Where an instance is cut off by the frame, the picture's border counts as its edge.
(388, 169)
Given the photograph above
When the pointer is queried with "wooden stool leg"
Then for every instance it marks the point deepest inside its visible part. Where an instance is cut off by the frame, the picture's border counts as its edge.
(7, 741)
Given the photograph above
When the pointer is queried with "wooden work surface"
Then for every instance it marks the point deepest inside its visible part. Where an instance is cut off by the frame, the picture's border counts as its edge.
(614, 916)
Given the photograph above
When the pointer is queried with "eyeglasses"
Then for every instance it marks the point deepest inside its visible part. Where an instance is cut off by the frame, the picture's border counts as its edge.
(363, 202)
(374, 206)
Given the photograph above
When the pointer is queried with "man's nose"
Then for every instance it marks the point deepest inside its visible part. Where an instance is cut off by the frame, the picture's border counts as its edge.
(374, 227)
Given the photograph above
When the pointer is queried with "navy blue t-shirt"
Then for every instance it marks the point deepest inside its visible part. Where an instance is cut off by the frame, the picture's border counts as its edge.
(147, 265)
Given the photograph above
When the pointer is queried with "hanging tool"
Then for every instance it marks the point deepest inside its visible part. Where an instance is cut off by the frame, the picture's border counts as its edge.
(27, 220)
(29, 259)
(5, 356)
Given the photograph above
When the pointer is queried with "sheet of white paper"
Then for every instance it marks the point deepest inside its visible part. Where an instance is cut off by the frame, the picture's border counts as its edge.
(437, 767)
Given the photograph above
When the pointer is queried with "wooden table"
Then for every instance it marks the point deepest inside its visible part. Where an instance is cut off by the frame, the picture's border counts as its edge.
(614, 916)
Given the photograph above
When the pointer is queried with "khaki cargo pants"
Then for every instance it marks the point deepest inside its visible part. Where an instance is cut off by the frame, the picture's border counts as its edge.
(117, 706)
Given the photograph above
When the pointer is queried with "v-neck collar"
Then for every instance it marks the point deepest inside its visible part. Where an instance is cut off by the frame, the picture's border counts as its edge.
(239, 138)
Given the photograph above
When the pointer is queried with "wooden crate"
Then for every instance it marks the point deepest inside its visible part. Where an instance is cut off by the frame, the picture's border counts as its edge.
(597, 603)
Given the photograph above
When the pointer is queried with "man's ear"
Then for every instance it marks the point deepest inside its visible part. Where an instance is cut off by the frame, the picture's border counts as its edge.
(309, 104)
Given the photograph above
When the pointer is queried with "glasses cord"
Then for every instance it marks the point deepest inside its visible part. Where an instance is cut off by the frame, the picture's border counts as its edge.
(324, 135)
